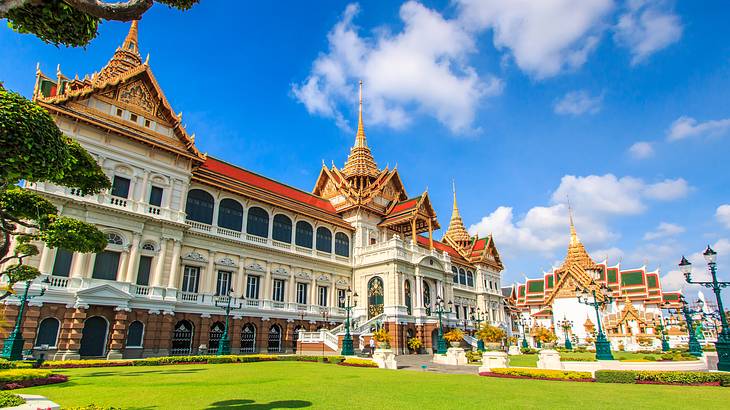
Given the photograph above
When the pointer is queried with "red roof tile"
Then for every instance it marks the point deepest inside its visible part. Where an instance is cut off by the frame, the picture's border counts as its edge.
(422, 240)
(480, 244)
(258, 181)
(404, 206)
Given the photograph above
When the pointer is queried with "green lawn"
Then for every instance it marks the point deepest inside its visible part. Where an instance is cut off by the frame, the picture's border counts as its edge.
(530, 360)
(271, 385)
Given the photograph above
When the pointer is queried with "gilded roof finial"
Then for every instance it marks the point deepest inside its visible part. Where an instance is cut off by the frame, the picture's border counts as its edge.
(360, 136)
(131, 42)
(573, 234)
(360, 162)
(125, 58)
(457, 232)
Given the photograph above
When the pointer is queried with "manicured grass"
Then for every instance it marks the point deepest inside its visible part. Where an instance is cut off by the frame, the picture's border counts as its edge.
(270, 385)
(530, 360)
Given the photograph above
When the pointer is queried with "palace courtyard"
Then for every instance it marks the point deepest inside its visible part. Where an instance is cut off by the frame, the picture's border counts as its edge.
(273, 385)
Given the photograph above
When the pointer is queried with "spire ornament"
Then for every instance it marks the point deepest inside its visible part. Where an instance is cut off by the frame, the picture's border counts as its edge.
(125, 58)
(360, 163)
(457, 232)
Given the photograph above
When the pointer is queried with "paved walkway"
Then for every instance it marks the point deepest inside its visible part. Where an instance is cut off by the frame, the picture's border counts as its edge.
(416, 361)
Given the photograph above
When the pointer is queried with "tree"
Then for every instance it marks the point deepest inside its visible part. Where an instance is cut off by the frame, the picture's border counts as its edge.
(74, 22)
(544, 335)
(491, 334)
(35, 150)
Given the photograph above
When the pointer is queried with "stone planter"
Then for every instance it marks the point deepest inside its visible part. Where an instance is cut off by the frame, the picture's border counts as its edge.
(455, 344)
(493, 360)
(454, 356)
(384, 358)
(493, 346)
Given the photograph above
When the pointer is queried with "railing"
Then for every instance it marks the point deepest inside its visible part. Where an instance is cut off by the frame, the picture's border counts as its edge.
(472, 341)
(141, 290)
(199, 225)
(153, 210)
(189, 296)
(118, 201)
(58, 282)
(330, 339)
(252, 302)
(257, 239)
(282, 245)
(278, 305)
(228, 232)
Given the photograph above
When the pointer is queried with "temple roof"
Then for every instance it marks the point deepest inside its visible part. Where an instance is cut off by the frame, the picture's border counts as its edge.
(457, 234)
(360, 162)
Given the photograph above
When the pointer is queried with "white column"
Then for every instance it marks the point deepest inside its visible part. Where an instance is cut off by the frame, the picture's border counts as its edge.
(141, 188)
(77, 265)
(47, 257)
(240, 287)
(173, 278)
(419, 292)
(313, 292)
(268, 284)
(90, 260)
(123, 266)
(210, 271)
(131, 274)
(291, 294)
(160, 263)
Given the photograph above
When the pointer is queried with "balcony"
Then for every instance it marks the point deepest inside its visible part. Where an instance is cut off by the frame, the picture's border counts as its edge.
(265, 242)
(397, 249)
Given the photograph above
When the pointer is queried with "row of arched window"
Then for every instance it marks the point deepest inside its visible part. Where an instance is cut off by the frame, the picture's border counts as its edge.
(462, 276)
(199, 208)
(48, 331)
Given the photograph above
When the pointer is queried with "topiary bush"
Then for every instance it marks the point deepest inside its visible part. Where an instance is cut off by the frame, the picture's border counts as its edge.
(354, 362)
(8, 399)
(663, 377)
(616, 376)
(541, 374)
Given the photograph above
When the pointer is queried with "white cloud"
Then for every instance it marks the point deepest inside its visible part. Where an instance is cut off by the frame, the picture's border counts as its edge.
(602, 193)
(577, 103)
(544, 37)
(667, 190)
(723, 215)
(686, 127)
(641, 150)
(647, 26)
(422, 67)
(612, 255)
(663, 231)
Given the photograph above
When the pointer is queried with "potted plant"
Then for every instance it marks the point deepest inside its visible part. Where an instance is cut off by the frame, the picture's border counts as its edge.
(454, 337)
(382, 337)
(415, 344)
(492, 336)
(545, 336)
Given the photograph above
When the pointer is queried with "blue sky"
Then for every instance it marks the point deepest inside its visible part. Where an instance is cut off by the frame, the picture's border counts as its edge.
(619, 105)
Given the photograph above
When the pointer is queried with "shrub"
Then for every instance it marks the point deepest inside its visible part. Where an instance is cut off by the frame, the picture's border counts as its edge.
(454, 335)
(198, 359)
(5, 364)
(382, 337)
(57, 364)
(8, 399)
(616, 376)
(569, 358)
(415, 343)
(662, 377)
(528, 350)
(491, 334)
(19, 378)
(542, 373)
(95, 407)
(649, 358)
(473, 356)
(351, 361)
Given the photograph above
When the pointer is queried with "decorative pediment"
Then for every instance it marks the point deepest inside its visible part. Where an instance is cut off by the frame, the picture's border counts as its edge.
(227, 262)
(255, 267)
(280, 272)
(137, 94)
(195, 257)
(323, 278)
(103, 294)
(304, 275)
(342, 282)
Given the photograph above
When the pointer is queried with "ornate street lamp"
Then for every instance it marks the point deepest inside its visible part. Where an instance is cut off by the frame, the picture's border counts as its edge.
(440, 310)
(659, 327)
(566, 325)
(224, 345)
(478, 318)
(524, 322)
(347, 349)
(723, 338)
(13, 345)
(695, 349)
(597, 296)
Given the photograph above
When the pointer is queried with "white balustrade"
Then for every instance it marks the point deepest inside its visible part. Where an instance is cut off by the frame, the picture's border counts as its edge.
(189, 296)
(228, 232)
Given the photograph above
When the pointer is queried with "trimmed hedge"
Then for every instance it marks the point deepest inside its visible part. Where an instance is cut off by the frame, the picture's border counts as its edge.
(569, 358)
(540, 374)
(19, 378)
(5, 364)
(199, 359)
(8, 399)
(354, 362)
(663, 377)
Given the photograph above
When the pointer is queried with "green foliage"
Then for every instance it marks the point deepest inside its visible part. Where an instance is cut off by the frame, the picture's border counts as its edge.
(616, 376)
(207, 359)
(543, 373)
(26, 249)
(415, 343)
(16, 375)
(74, 235)
(491, 334)
(54, 22)
(8, 399)
(95, 407)
(473, 356)
(5, 364)
(576, 358)
(23, 204)
(20, 273)
(658, 376)
(179, 4)
(83, 172)
(677, 356)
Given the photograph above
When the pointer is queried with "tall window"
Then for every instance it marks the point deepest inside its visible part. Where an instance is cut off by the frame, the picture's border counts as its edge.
(47, 332)
(120, 187)
(427, 297)
(252, 287)
(134, 334)
(455, 273)
(342, 244)
(282, 228)
(457, 309)
(191, 275)
(230, 215)
(302, 293)
(341, 298)
(278, 290)
(257, 222)
(223, 285)
(324, 239)
(199, 206)
(462, 276)
(62, 263)
(143, 272)
(375, 297)
(409, 300)
(322, 295)
(156, 196)
(304, 234)
(106, 265)
(469, 278)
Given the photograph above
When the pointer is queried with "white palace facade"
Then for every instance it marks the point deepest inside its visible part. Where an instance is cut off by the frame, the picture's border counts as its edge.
(184, 228)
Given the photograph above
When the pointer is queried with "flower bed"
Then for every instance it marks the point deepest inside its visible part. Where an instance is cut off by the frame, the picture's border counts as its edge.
(19, 378)
(541, 374)
(353, 362)
(200, 359)
(663, 377)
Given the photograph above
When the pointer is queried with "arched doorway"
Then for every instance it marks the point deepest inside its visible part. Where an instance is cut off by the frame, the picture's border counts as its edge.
(93, 337)
(215, 335)
(248, 338)
(375, 297)
(274, 345)
(182, 338)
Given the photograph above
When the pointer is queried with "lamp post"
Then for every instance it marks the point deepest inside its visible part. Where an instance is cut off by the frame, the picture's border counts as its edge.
(659, 327)
(723, 338)
(476, 316)
(566, 325)
(591, 297)
(347, 349)
(524, 322)
(440, 310)
(694, 346)
(13, 346)
(224, 345)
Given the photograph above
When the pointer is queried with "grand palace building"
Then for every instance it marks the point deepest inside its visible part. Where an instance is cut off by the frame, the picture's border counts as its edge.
(186, 231)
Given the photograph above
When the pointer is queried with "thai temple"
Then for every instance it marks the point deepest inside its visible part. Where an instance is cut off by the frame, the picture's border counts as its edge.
(188, 233)
(629, 321)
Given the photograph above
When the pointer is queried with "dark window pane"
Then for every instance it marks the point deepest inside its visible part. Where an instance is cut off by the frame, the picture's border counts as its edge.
(282, 228)
(134, 336)
(304, 234)
(47, 332)
(106, 265)
(143, 273)
(199, 206)
(156, 196)
(62, 263)
(257, 222)
(324, 239)
(230, 215)
(342, 244)
(120, 187)
(190, 279)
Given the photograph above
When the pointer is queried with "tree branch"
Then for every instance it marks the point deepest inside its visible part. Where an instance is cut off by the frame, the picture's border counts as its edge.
(125, 11)
(6, 5)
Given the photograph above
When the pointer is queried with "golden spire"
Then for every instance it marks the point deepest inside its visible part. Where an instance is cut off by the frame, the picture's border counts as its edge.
(457, 232)
(577, 254)
(360, 162)
(125, 58)
(573, 235)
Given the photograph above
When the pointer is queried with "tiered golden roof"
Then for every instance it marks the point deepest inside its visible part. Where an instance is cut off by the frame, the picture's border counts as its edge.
(456, 234)
(125, 58)
(360, 162)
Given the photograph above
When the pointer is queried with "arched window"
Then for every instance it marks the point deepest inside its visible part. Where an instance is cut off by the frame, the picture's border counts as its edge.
(230, 215)
(304, 234)
(257, 222)
(182, 338)
(114, 239)
(47, 332)
(199, 206)
(149, 246)
(462, 276)
(342, 244)
(375, 297)
(248, 338)
(455, 272)
(214, 337)
(324, 239)
(134, 334)
(469, 278)
(274, 345)
(409, 300)
(427, 297)
(282, 228)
